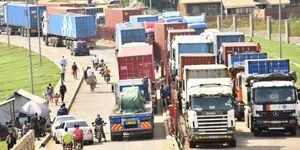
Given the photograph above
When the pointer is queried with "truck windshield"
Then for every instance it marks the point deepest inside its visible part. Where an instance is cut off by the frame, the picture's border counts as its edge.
(207, 103)
(272, 95)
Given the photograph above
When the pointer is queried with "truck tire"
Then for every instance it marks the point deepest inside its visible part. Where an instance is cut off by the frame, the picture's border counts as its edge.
(113, 137)
(192, 144)
(293, 131)
(120, 137)
(232, 143)
(151, 135)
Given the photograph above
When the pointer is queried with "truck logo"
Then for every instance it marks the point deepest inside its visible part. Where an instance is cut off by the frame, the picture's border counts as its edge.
(275, 114)
(284, 106)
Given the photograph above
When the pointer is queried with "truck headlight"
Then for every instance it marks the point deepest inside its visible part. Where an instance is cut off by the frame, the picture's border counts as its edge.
(292, 121)
(230, 131)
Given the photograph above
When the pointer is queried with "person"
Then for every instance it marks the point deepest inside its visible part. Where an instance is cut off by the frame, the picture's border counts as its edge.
(42, 147)
(78, 135)
(56, 97)
(62, 110)
(258, 48)
(46, 95)
(74, 70)
(63, 61)
(98, 121)
(42, 125)
(93, 81)
(51, 91)
(85, 73)
(10, 140)
(25, 128)
(35, 126)
(106, 71)
(101, 64)
(95, 62)
(62, 90)
(89, 71)
(67, 138)
(62, 73)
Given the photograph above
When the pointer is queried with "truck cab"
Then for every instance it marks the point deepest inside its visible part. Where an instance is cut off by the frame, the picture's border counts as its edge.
(210, 114)
(270, 103)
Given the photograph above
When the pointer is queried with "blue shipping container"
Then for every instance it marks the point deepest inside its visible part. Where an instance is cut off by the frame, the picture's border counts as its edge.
(92, 10)
(174, 19)
(188, 44)
(129, 32)
(266, 66)
(16, 14)
(170, 14)
(72, 25)
(194, 19)
(142, 18)
(197, 26)
(221, 37)
(235, 60)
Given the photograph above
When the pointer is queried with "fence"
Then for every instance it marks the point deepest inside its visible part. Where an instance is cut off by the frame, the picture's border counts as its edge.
(26, 142)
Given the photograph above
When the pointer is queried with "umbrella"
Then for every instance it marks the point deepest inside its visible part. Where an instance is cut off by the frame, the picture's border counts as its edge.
(31, 107)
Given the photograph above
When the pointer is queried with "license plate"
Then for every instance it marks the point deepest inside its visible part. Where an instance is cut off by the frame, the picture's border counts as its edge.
(275, 122)
(130, 122)
(213, 137)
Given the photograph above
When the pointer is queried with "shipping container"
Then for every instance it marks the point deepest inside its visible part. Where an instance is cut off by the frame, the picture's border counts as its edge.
(188, 44)
(236, 60)
(195, 59)
(193, 19)
(236, 47)
(119, 15)
(197, 26)
(57, 4)
(176, 32)
(173, 19)
(161, 34)
(142, 18)
(53, 10)
(266, 66)
(129, 32)
(222, 37)
(84, 5)
(205, 71)
(77, 26)
(170, 14)
(16, 14)
(136, 61)
(104, 32)
(92, 10)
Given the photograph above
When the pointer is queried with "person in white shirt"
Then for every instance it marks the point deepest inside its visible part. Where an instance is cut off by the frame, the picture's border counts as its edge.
(63, 61)
(63, 73)
(95, 62)
(89, 72)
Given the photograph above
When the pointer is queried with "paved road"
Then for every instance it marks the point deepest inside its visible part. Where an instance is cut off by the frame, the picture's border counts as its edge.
(87, 104)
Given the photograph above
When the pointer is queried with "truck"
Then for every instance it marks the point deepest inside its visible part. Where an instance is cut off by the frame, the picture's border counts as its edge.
(195, 22)
(132, 115)
(269, 96)
(15, 16)
(62, 29)
(209, 111)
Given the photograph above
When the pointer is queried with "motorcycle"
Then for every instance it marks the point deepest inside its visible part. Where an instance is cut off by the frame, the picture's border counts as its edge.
(98, 131)
(77, 145)
(68, 146)
(107, 78)
(101, 71)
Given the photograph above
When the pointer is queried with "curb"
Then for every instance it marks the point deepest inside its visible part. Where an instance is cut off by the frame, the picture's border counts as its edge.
(44, 140)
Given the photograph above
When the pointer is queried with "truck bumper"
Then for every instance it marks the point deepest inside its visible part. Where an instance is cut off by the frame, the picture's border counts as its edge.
(274, 124)
(132, 132)
(213, 138)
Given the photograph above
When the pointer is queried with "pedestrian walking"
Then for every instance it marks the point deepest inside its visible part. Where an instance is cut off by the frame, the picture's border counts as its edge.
(62, 73)
(62, 90)
(63, 61)
(35, 126)
(51, 91)
(95, 61)
(42, 125)
(56, 97)
(10, 140)
(74, 70)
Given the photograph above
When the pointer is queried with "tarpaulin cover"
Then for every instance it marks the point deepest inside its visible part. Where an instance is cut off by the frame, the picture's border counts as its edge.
(169, 14)
(197, 26)
(194, 19)
(173, 19)
(132, 100)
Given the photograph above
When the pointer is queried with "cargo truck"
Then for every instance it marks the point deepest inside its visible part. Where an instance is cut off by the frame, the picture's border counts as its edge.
(62, 29)
(132, 115)
(15, 15)
(269, 96)
(209, 112)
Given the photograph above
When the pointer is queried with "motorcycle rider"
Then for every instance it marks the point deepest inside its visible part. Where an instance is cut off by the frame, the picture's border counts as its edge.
(78, 135)
(99, 122)
(95, 62)
(106, 73)
(67, 138)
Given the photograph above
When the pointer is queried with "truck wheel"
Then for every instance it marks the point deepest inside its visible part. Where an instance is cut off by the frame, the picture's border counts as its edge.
(113, 137)
(293, 131)
(120, 137)
(151, 135)
(256, 132)
(192, 144)
(232, 143)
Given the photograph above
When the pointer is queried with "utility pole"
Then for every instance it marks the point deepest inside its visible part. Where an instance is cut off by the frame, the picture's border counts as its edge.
(221, 15)
(280, 38)
(150, 4)
(39, 34)
(29, 47)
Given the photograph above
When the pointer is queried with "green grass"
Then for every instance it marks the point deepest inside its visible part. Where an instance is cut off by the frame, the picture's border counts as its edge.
(15, 71)
(289, 51)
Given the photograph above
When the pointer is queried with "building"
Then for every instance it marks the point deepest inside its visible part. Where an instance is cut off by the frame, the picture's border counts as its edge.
(198, 7)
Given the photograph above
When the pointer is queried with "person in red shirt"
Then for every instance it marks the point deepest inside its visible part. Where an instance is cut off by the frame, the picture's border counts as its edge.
(78, 135)
(258, 49)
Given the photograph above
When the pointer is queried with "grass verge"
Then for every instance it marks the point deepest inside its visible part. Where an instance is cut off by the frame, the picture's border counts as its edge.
(15, 71)
(289, 51)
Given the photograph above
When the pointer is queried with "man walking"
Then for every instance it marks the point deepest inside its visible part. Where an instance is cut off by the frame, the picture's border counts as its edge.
(95, 62)
(62, 73)
(35, 126)
(74, 70)
(62, 90)
(63, 61)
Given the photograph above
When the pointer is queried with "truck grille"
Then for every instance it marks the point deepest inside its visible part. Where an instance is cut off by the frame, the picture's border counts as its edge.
(212, 124)
(276, 114)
